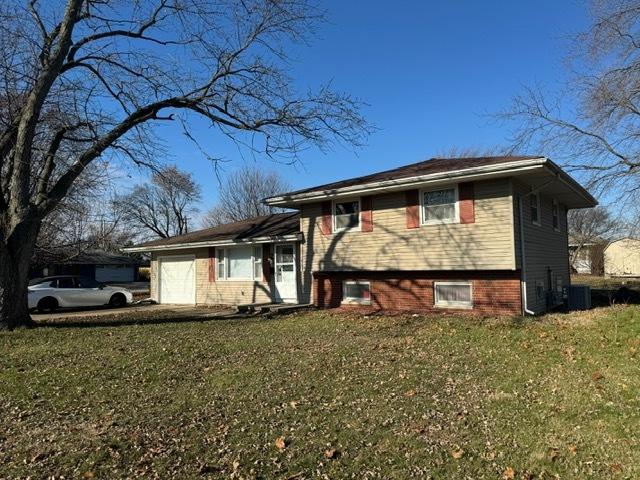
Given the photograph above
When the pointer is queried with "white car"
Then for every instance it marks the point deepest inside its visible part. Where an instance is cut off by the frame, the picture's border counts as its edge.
(51, 293)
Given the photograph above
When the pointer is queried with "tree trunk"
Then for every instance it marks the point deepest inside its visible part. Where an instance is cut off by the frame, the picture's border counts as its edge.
(15, 258)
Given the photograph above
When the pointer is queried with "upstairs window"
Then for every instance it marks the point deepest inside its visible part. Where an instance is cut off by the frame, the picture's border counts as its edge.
(346, 215)
(440, 206)
(534, 202)
(556, 215)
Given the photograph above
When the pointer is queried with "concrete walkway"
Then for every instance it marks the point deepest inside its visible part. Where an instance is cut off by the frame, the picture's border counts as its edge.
(136, 314)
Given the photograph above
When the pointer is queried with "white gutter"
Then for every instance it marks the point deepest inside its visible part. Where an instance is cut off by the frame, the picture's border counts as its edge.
(504, 168)
(249, 241)
(523, 263)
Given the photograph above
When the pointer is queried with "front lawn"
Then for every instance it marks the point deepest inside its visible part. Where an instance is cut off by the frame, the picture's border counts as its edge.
(321, 395)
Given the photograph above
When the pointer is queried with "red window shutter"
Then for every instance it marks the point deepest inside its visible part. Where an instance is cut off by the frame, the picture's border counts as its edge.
(366, 215)
(325, 220)
(266, 266)
(212, 264)
(466, 203)
(413, 208)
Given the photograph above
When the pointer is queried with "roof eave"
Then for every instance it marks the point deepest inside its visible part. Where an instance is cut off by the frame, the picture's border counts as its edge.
(486, 171)
(565, 178)
(294, 237)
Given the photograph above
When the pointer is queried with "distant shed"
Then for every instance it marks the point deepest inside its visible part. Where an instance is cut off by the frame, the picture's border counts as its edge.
(622, 258)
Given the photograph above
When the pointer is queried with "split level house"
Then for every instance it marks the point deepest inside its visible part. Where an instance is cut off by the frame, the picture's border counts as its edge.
(485, 235)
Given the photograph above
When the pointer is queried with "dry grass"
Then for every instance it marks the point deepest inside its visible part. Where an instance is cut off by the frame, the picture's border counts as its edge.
(326, 396)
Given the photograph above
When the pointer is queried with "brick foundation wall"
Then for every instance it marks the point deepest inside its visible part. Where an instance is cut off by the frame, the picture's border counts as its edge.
(494, 292)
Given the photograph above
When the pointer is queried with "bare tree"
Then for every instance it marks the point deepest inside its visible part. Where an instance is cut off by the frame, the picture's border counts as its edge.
(163, 207)
(86, 80)
(592, 124)
(589, 230)
(242, 194)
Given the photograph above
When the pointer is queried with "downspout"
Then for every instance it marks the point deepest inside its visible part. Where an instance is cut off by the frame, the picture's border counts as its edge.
(523, 263)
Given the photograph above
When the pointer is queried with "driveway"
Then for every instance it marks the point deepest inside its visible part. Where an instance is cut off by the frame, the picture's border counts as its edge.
(133, 314)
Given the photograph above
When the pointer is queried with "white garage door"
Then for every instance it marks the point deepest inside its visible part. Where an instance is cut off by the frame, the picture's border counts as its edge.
(114, 273)
(177, 279)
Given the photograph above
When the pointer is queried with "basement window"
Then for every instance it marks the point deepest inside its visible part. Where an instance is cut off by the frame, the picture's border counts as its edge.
(453, 294)
(356, 291)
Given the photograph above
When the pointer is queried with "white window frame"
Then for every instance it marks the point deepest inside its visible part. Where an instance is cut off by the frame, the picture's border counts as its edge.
(333, 214)
(218, 252)
(355, 300)
(257, 260)
(456, 218)
(555, 205)
(539, 221)
(225, 260)
(446, 304)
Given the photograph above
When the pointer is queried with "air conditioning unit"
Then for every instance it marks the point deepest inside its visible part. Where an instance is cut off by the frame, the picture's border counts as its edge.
(578, 297)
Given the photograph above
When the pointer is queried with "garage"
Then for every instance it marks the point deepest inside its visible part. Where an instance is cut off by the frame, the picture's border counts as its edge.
(115, 273)
(177, 282)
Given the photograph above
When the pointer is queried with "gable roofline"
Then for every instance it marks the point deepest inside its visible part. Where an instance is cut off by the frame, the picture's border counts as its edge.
(520, 165)
(620, 239)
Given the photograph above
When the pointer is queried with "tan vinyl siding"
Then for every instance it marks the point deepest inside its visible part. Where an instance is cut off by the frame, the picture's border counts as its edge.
(486, 244)
(545, 248)
(622, 258)
(220, 292)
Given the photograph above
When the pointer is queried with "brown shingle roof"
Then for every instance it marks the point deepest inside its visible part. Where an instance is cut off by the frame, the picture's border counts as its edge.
(275, 225)
(426, 167)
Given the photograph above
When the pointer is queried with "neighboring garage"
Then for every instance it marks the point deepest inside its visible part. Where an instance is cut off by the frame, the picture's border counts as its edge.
(102, 266)
(177, 279)
(622, 258)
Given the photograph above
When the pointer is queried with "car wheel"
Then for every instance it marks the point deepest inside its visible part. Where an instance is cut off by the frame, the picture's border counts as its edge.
(47, 304)
(118, 300)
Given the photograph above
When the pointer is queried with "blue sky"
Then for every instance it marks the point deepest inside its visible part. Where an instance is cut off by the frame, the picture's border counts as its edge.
(431, 73)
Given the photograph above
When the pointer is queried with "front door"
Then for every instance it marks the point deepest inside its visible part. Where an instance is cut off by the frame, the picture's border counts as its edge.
(285, 267)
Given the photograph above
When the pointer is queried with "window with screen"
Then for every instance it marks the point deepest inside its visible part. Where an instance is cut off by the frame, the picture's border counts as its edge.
(453, 294)
(239, 263)
(346, 215)
(439, 206)
(354, 291)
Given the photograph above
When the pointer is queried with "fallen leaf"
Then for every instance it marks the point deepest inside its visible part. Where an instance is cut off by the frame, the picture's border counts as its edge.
(616, 468)
(88, 474)
(457, 453)
(409, 393)
(331, 453)
(508, 474)
(597, 375)
(573, 449)
(281, 443)
(553, 454)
